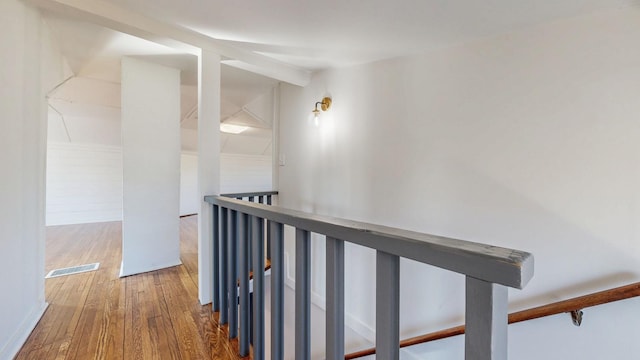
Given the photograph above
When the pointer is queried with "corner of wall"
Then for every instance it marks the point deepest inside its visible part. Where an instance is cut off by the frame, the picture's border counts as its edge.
(13, 346)
(23, 142)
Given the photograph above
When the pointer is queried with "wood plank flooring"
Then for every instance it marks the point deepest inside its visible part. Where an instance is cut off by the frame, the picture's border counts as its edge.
(97, 315)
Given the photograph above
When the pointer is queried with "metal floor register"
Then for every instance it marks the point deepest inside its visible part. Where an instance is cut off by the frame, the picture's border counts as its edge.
(72, 270)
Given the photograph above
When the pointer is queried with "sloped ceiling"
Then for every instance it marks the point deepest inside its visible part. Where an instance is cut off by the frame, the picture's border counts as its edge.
(86, 108)
(305, 34)
(340, 33)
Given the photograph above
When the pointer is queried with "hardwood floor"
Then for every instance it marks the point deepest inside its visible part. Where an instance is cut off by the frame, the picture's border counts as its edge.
(97, 315)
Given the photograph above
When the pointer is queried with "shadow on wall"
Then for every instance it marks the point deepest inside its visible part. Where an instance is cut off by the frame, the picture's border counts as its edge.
(457, 200)
(570, 257)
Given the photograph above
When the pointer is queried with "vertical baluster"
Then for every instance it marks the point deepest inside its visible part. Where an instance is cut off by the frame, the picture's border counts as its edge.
(335, 300)
(243, 274)
(223, 265)
(277, 291)
(303, 296)
(216, 260)
(486, 320)
(250, 262)
(232, 276)
(387, 306)
(257, 234)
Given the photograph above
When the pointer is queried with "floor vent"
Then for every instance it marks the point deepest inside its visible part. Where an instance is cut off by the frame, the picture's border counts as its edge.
(72, 270)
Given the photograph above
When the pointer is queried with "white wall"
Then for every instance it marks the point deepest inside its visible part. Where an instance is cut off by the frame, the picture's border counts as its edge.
(238, 173)
(189, 196)
(91, 129)
(209, 78)
(245, 173)
(84, 183)
(31, 65)
(529, 140)
(151, 166)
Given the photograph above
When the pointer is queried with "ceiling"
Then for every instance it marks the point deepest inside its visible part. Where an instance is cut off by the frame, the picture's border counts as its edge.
(316, 35)
(304, 34)
(94, 52)
(90, 99)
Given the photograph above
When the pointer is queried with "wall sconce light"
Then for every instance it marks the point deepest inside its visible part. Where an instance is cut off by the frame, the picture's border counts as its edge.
(325, 104)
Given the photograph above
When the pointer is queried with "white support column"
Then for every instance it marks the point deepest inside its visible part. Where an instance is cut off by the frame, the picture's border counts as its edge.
(275, 140)
(208, 164)
(151, 166)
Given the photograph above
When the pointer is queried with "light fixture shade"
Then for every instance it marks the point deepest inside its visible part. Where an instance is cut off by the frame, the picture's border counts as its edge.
(316, 117)
(325, 104)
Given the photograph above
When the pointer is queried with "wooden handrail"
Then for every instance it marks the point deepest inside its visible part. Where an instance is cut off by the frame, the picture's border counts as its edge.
(565, 306)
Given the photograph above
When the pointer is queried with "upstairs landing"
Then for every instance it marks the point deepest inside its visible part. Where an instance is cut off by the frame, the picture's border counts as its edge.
(97, 315)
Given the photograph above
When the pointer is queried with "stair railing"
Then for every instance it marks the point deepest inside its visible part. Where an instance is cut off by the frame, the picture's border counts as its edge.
(239, 226)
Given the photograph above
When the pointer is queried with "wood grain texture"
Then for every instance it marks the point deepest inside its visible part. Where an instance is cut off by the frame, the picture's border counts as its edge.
(485, 262)
(97, 315)
(565, 306)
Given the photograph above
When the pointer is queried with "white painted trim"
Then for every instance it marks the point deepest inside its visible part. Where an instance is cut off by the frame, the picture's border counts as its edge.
(319, 300)
(17, 340)
(360, 327)
(118, 18)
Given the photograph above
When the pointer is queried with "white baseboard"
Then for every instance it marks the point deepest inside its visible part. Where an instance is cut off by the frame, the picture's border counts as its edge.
(17, 340)
(360, 327)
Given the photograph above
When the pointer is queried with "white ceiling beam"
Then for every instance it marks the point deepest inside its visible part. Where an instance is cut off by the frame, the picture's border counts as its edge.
(117, 18)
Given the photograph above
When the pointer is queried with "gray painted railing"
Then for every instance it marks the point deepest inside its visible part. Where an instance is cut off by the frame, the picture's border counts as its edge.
(238, 230)
(261, 197)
